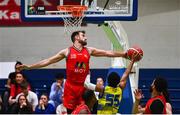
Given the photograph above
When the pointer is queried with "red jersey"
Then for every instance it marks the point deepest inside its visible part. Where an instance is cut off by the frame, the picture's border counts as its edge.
(81, 107)
(77, 65)
(163, 100)
(16, 89)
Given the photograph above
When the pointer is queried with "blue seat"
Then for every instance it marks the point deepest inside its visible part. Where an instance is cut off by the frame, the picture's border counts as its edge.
(175, 103)
(42, 79)
(146, 93)
(2, 86)
(174, 93)
(146, 77)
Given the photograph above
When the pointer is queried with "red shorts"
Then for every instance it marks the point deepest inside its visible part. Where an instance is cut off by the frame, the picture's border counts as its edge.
(73, 94)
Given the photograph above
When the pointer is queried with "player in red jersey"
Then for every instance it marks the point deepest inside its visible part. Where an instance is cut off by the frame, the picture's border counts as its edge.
(89, 99)
(158, 101)
(77, 66)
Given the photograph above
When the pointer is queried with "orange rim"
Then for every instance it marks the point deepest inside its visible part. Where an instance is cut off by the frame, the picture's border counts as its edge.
(76, 10)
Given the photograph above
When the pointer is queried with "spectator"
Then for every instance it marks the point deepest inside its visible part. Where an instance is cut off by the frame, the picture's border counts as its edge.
(87, 105)
(11, 80)
(57, 89)
(44, 107)
(159, 98)
(22, 106)
(16, 88)
(99, 81)
(61, 109)
(31, 96)
(12, 75)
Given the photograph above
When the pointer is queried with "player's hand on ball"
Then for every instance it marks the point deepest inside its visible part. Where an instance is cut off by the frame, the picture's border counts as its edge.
(135, 56)
(135, 53)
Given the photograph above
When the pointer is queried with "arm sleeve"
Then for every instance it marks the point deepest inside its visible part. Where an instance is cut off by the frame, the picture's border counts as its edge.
(49, 109)
(53, 91)
(88, 84)
(35, 101)
(157, 107)
(63, 85)
(38, 110)
(12, 90)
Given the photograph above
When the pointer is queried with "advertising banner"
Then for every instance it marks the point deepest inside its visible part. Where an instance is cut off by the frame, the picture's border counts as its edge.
(10, 13)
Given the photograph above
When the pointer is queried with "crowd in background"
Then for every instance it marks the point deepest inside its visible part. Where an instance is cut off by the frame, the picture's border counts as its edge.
(20, 99)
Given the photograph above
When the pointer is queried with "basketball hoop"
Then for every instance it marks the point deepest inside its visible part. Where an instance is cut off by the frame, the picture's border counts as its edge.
(73, 16)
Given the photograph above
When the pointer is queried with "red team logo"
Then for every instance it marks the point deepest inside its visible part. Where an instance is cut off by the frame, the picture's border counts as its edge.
(80, 67)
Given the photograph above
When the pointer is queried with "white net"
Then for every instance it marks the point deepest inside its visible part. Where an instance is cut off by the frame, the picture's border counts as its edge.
(73, 17)
(72, 24)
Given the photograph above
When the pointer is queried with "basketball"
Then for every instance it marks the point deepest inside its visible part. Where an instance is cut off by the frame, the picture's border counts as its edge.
(135, 52)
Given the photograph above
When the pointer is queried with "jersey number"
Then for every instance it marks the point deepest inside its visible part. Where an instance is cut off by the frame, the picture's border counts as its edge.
(112, 100)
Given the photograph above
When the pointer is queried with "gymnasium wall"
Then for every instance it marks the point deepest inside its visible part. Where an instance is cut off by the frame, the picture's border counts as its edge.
(32, 44)
(157, 31)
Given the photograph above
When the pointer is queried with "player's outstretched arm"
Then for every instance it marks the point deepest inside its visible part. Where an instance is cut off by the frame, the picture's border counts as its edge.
(91, 86)
(125, 75)
(59, 56)
(105, 53)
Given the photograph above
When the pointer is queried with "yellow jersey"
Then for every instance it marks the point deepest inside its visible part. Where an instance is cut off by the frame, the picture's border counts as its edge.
(110, 100)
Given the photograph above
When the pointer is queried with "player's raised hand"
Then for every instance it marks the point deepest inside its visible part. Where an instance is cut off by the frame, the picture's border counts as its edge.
(138, 94)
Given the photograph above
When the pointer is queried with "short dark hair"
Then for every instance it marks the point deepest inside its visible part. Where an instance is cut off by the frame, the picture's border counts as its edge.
(45, 94)
(24, 85)
(18, 63)
(76, 33)
(59, 76)
(88, 95)
(113, 79)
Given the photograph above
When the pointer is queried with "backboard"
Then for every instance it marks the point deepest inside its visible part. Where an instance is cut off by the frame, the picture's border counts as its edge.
(98, 10)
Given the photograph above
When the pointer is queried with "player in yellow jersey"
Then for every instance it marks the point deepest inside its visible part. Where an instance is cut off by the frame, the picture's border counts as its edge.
(110, 99)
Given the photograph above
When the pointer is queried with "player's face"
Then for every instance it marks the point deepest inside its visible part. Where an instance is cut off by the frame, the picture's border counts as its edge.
(82, 39)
